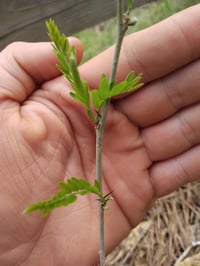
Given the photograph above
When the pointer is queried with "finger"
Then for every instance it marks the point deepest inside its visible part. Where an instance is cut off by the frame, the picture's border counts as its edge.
(164, 97)
(169, 175)
(173, 136)
(155, 51)
(25, 65)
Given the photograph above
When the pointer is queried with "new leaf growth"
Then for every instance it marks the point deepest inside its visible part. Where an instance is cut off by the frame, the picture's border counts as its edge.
(93, 102)
(67, 194)
(66, 56)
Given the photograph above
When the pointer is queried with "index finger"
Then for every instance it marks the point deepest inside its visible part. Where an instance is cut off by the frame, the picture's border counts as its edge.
(25, 65)
(155, 51)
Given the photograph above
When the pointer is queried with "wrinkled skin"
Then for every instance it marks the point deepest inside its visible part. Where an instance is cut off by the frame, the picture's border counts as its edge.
(151, 144)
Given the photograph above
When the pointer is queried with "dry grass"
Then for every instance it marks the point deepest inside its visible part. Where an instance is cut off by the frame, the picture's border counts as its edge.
(169, 234)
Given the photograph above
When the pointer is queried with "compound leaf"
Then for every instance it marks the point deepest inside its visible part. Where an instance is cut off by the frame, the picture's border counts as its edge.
(66, 56)
(67, 194)
(131, 83)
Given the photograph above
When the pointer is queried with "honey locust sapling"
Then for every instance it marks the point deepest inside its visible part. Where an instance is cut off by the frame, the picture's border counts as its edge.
(96, 103)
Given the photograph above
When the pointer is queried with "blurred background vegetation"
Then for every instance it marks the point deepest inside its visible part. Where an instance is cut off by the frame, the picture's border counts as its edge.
(98, 38)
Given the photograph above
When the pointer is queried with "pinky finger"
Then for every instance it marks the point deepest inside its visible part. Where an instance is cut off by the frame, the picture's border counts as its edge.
(171, 174)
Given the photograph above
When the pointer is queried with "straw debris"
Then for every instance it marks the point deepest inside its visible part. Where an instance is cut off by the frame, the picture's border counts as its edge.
(168, 236)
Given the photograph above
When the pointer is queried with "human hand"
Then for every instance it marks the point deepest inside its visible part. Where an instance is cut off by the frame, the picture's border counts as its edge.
(150, 146)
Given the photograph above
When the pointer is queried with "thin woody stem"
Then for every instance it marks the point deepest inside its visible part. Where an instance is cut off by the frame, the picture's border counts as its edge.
(99, 137)
(101, 125)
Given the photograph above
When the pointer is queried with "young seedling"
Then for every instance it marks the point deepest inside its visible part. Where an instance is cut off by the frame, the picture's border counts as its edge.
(96, 103)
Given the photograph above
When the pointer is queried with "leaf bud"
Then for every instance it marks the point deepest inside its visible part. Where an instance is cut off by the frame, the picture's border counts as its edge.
(132, 21)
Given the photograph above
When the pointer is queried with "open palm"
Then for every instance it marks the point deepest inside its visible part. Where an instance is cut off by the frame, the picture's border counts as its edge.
(151, 143)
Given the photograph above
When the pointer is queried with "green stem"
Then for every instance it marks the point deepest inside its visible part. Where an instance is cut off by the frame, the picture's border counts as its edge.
(101, 125)
(120, 35)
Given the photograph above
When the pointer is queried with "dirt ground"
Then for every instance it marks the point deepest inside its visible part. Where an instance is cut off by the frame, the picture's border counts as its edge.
(168, 236)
